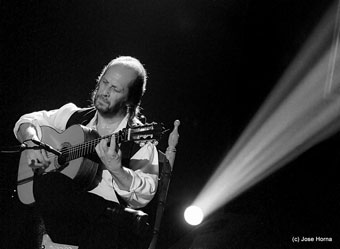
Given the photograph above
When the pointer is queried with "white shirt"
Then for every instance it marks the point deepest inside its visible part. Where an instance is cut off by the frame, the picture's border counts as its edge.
(144, 175)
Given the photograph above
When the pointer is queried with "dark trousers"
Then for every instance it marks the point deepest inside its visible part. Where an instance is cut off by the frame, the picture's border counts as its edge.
(76, 217)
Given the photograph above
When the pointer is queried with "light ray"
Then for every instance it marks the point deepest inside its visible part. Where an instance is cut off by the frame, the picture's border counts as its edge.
(299, 113)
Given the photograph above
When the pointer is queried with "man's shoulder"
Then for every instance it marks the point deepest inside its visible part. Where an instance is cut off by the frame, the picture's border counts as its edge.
(70, 106)
(82, 115)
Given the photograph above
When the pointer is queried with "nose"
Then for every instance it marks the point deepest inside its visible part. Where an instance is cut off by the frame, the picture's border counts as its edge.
(106, 92)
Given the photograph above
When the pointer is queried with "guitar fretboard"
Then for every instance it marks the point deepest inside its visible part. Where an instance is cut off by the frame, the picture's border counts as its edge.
(88, 147)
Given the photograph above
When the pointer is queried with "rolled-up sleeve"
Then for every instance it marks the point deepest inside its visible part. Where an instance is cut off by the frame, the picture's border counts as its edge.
(54, 118)
(144, 171)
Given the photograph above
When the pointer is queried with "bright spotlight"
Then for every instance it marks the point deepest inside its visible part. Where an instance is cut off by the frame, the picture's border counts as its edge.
(193, 215)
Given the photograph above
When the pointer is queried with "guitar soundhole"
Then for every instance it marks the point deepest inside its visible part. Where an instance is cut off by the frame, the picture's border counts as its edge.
(64, 158)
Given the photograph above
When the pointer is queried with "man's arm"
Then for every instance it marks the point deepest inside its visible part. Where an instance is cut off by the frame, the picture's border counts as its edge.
(26, 132)
(144, 170)
(28, 127)
(111, 158)
(53, 118)
(137, 184)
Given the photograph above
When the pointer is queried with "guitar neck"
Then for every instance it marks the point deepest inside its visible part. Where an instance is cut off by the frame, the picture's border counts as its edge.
(139, 134)
(88, 147)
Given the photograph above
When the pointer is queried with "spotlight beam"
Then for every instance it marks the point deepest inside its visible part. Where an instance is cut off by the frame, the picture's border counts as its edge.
(300, 112)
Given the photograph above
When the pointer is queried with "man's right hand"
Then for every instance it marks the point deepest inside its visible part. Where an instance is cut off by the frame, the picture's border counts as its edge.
(36, 158)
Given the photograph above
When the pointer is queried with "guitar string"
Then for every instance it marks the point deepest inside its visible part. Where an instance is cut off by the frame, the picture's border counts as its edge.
(76, 151)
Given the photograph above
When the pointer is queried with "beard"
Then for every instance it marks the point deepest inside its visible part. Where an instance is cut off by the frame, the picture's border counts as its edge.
(102, 105)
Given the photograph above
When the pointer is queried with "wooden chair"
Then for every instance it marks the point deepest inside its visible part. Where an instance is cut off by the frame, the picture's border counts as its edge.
(166, 163)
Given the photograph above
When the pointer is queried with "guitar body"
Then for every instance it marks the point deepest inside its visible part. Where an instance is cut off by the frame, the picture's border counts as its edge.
(80, 169)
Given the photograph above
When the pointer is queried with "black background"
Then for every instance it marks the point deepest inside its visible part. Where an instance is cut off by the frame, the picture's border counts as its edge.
(211, 64)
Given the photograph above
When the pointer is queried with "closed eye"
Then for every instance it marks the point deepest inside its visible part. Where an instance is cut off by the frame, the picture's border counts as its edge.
(112, 87)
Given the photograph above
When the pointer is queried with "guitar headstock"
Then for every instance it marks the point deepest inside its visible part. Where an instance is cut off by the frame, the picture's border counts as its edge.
(146, 133)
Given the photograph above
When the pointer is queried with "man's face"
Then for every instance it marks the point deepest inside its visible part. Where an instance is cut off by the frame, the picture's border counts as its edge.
(113, 90)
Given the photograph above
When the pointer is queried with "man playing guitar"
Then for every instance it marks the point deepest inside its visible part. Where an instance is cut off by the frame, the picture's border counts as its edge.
(89, 213)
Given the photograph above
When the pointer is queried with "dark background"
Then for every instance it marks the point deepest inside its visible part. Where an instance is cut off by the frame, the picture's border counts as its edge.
(211, 64)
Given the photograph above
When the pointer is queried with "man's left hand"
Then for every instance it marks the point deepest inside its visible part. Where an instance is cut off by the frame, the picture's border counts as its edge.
(109, 153)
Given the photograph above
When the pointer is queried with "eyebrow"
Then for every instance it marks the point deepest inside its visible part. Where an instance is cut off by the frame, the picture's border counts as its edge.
(113, 85)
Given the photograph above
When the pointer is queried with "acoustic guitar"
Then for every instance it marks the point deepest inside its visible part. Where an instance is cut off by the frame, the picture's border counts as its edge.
(76, 145)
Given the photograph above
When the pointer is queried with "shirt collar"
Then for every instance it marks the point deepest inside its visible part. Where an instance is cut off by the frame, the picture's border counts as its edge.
(93, 123)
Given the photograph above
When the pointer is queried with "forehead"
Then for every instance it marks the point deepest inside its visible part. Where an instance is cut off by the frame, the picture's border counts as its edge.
(120, 74)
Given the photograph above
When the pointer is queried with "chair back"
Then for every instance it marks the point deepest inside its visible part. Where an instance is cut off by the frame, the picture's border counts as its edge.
(166, 163)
